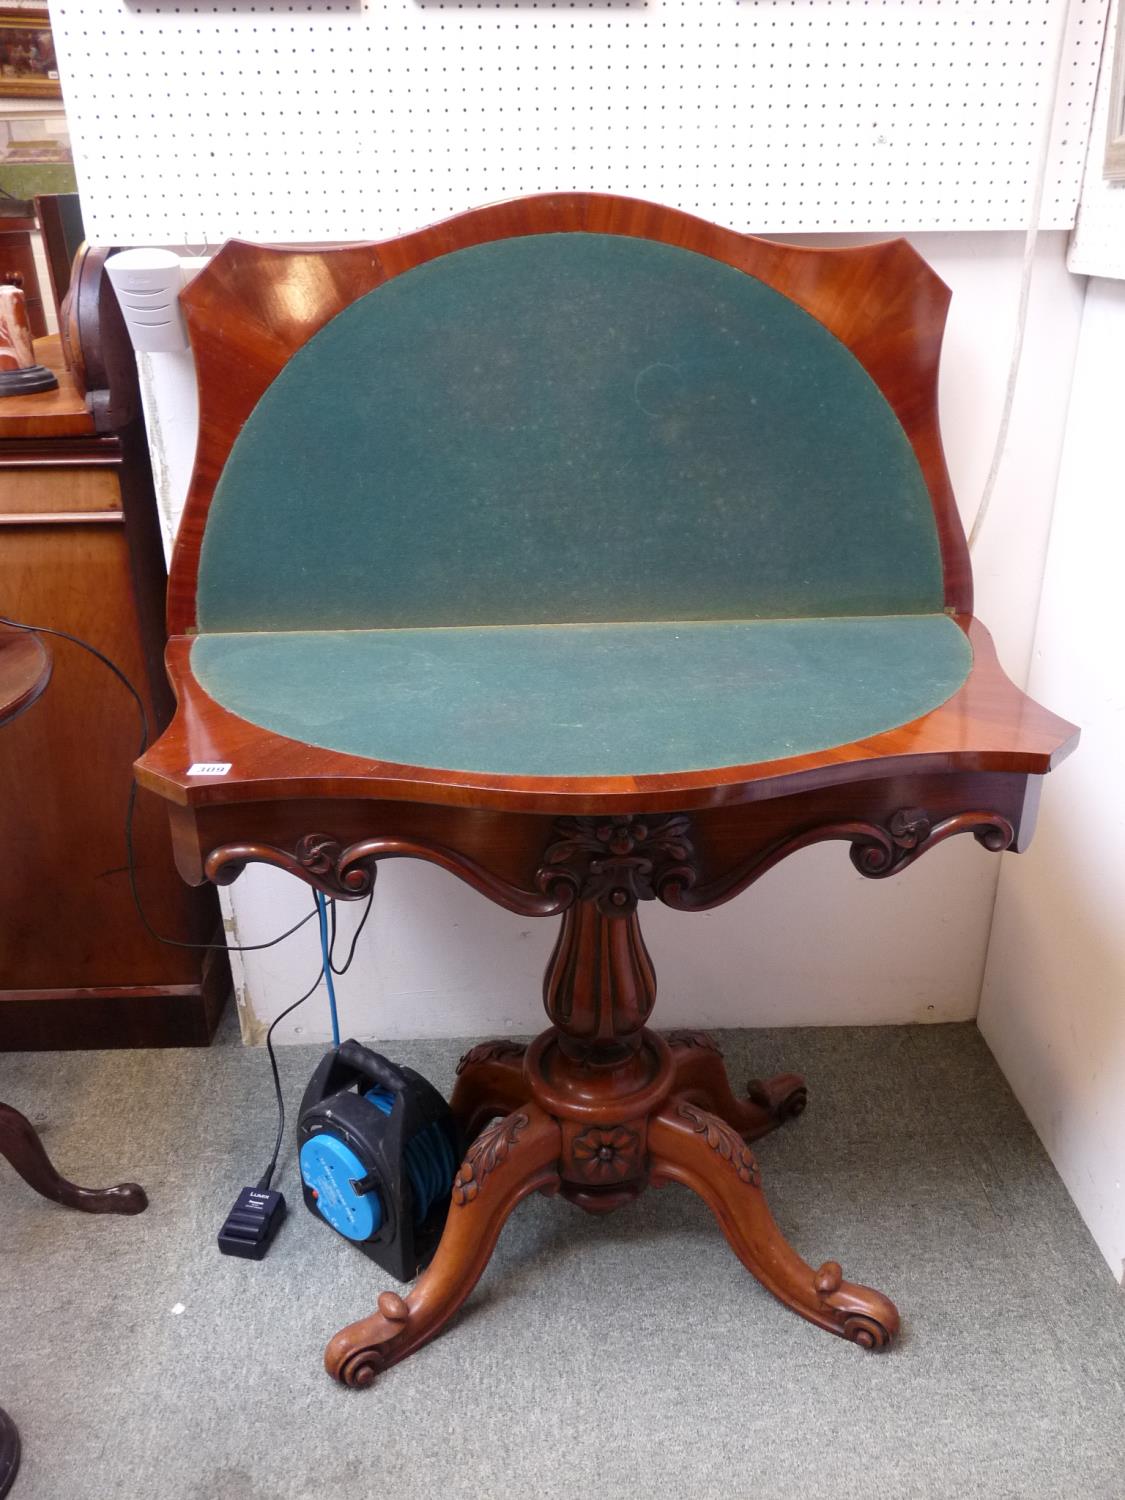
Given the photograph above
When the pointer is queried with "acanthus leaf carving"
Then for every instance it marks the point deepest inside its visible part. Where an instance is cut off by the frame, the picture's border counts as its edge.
(724, 1140)
(699, 1041)
(485, 1154)
(613, 861)
(618, 860)
(485, 1052)
(877, 851)
(348, 872)
(317, 858)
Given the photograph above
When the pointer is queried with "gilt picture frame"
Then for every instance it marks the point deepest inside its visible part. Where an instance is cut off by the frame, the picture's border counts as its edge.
(29, 68)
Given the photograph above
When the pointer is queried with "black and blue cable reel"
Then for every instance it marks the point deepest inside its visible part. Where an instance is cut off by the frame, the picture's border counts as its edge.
(378, 1150)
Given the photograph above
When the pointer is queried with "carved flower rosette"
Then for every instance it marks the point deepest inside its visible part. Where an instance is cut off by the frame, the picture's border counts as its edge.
(605, 1154)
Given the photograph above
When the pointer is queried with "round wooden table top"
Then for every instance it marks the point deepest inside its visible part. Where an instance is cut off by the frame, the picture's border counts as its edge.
(25, 670)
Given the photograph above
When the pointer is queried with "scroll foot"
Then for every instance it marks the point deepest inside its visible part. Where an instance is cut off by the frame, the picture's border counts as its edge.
(20, 1144)
(515, 1156)
(691, 1146)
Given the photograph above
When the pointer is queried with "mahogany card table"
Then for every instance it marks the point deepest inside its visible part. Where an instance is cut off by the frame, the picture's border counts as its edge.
(598, 555)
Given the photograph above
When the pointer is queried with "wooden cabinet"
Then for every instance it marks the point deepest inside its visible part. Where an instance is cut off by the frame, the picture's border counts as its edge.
(80, 552)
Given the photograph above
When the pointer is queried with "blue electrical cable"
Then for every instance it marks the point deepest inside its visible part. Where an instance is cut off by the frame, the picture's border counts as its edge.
(322, 915)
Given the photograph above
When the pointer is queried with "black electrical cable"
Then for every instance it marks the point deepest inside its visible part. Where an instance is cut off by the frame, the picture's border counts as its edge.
(179, 942)
(130, 805)
(267, 1176)
(355, 935)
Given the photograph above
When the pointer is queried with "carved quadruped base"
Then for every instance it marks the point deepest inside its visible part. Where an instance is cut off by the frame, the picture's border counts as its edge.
(598, 1107)
(599, 1130)
(701, 1075)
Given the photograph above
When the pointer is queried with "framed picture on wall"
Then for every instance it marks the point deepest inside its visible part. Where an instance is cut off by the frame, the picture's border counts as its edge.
(28, 66)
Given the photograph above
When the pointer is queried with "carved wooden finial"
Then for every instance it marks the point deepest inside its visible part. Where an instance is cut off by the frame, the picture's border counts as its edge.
(828, 1278)
(393, 1308)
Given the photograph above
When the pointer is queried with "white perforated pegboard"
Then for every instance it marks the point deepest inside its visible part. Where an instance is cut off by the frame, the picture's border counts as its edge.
(1097, 247)
(341, 119)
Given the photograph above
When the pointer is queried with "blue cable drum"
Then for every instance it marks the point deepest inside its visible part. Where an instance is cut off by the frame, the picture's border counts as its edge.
(331, 1168)
(429, 1160)
(378, 1149)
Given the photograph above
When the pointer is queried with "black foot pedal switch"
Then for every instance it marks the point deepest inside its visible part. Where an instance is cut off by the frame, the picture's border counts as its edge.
(252, 1223)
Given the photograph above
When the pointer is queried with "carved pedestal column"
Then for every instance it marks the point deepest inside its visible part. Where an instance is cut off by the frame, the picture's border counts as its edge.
(600, 986)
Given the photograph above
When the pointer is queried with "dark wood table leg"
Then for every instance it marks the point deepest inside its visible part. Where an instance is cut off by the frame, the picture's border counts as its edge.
(9, 1452)
(22, 1147)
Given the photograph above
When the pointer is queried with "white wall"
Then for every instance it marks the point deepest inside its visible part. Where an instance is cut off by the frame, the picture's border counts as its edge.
(1053, 1006)
(353, 119)
(812, 943)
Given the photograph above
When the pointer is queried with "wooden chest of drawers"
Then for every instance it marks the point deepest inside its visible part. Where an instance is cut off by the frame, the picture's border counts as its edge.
(80, 551)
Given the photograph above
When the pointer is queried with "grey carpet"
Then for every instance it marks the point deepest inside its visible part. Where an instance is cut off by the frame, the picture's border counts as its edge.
(603, 1358)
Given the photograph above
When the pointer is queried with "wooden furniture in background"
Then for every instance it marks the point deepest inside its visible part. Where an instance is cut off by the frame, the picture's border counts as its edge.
(80, 551)
(60, 223)
(25, 669)
(549, 420)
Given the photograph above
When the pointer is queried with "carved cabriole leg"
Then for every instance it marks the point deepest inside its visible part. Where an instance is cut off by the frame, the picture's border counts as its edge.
(490, 1082)
(516, 1156)
(20, 1144)
(690, 1146)
(701, 1076)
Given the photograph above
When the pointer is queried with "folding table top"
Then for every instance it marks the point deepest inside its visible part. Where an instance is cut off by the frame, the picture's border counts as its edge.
(576, 489)
(589, 700)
